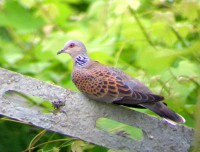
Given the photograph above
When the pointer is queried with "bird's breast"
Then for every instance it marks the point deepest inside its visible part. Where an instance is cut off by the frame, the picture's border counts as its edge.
(96, 84)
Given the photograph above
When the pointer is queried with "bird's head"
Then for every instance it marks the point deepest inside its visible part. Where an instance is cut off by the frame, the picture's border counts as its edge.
(74, 48)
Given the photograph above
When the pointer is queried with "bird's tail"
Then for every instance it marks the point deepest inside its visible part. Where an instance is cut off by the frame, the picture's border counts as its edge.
(162, 110)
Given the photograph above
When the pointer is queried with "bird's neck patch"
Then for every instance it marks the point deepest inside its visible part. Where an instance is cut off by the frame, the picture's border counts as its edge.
(81, 60)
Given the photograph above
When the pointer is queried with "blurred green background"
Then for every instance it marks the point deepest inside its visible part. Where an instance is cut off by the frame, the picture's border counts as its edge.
(157, 42)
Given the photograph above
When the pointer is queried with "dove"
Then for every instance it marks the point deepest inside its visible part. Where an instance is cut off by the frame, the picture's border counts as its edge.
(111, 85)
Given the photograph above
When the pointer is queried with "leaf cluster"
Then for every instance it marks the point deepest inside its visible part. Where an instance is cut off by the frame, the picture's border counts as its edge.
(154, 41)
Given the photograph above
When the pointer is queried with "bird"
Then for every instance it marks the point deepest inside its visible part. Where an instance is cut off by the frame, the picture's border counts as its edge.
(111, 85)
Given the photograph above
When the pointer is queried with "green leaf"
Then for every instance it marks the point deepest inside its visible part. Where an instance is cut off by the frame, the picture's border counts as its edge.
(34, 68)
(155, 61)
(166, 37)
(188, 9)
(78, 146)
(24, 21)
(183, 29)
(118, 128)
(28, 3)
(186, 68)
(10, 52)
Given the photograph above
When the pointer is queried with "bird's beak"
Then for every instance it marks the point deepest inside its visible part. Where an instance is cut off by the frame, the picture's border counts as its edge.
(61, 51)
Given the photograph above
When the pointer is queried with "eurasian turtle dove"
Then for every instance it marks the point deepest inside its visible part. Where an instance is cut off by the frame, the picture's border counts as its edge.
(111, 85)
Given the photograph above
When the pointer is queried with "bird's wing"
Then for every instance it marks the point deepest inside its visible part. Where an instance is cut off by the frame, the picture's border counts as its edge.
(132, 82)
(131, 90)
(107, 84)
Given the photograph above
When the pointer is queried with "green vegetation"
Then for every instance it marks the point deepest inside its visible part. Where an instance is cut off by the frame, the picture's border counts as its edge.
(155, 41)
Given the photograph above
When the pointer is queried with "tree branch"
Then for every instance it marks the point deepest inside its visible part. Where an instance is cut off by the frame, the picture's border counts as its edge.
(141, 27)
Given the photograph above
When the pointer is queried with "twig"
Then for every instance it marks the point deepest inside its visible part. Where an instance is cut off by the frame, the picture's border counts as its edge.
(142, 27)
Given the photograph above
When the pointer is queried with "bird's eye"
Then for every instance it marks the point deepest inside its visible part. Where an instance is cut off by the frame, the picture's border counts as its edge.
(71, 45)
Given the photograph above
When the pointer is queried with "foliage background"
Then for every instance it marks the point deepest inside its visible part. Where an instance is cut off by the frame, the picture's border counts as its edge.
(154, 41)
